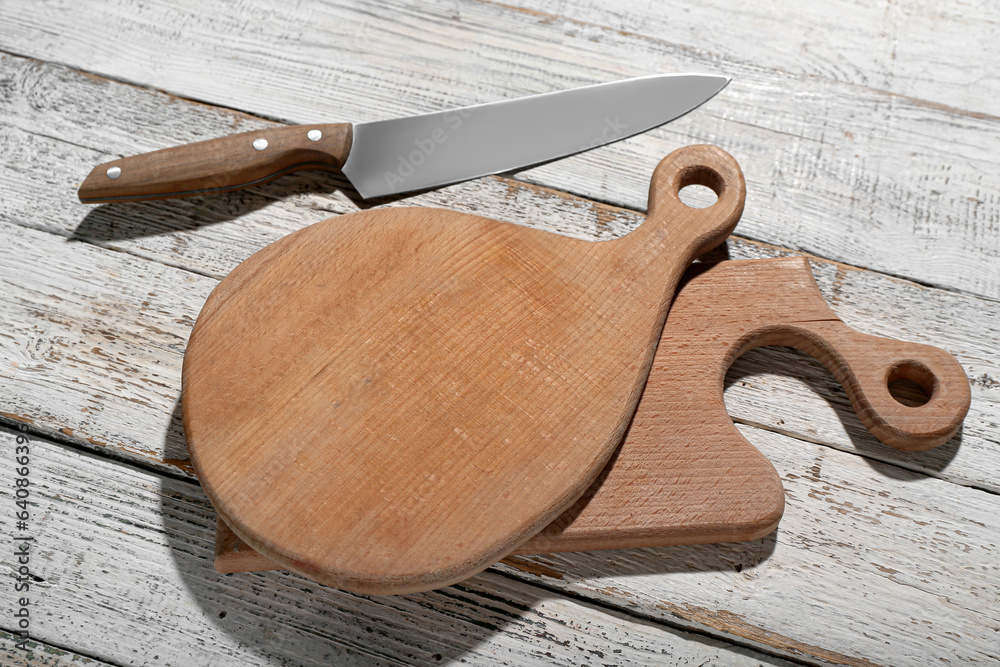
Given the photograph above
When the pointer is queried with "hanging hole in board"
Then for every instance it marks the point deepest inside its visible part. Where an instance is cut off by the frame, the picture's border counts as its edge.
(700, 186)
(911, 383)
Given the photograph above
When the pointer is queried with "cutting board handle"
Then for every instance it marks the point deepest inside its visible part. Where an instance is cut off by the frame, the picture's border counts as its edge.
(670, 222)
(866, 366)
(790, 310)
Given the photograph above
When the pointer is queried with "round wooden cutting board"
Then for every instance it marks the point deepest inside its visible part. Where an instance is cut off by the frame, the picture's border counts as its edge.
(392, 400)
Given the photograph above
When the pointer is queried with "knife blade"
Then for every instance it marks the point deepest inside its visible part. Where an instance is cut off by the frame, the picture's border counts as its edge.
(412, 153)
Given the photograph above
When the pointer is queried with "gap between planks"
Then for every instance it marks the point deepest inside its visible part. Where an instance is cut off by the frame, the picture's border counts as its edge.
(44, 654)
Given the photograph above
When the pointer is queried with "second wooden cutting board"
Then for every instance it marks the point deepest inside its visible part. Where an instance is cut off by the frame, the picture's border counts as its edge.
(391, 401)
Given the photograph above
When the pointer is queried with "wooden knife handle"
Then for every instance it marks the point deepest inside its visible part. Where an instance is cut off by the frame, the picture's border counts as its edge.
(217, 165)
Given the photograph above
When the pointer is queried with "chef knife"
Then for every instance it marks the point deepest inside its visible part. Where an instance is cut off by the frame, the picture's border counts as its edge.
(414, 153)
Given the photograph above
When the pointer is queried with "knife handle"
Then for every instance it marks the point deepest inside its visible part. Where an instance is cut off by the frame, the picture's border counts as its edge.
(217, 165)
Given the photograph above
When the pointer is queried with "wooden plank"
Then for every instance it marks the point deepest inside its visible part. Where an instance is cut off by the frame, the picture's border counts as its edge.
(40, 654)
(834, 169)
(870, 565)
(104, 368)
(125, 561)
(98, 299)
(917, 49)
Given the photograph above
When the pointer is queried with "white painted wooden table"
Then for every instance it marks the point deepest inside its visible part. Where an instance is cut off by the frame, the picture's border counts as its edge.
(870, 139)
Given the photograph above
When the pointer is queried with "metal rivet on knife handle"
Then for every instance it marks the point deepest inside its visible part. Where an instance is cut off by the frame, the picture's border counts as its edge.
(260, 144)
(114, 172)
(314, 135)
